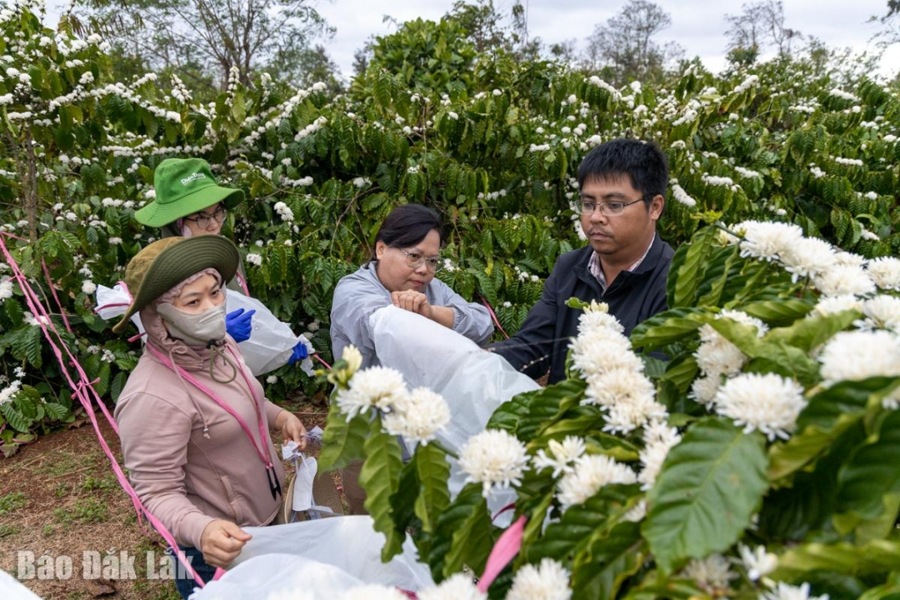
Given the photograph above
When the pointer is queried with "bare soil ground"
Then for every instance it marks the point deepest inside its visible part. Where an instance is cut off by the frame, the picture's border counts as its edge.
(59, 498)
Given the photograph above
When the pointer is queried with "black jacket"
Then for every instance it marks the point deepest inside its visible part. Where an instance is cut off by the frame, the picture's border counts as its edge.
(633, 297)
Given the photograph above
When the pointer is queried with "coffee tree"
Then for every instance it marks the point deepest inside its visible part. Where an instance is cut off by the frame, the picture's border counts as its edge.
(757, 461)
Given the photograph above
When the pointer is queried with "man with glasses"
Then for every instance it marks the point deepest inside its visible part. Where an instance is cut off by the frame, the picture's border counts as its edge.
(623, 185)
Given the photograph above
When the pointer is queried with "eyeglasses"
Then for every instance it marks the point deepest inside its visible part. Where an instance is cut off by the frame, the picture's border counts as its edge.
(204, 220)
(415, 260)
(608, 209)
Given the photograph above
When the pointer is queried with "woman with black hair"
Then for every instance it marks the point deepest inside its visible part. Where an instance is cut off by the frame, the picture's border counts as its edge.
(401, 273)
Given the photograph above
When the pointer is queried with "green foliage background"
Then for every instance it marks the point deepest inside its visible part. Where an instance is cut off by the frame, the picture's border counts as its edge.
(489, 140)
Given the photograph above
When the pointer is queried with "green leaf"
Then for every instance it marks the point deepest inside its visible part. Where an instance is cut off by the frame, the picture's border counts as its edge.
(878, 556)
(812, 332)
(777, 312)
(380, 477)
(682, 371)
(687, 275)
(56, 411)
(844, 398)
(600, 570)
(433, 472)
(342, 442)
(464, 535)
(667, 327)
(718, 273)
(14, 418)
(872, 472)
(529, 412)
(778, 356)
(787, 457)
(573, 531)
(708, 489)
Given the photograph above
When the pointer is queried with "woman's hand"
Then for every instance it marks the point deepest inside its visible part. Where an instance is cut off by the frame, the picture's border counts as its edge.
(221, 542)
(291, 428)
(417, 302)
(413, 301)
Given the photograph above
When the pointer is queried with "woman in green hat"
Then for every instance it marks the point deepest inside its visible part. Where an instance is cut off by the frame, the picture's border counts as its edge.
(193, 421)
(189, 202)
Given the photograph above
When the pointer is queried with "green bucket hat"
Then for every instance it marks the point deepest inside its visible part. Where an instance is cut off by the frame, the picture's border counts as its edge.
(184, 186)
(165, 263)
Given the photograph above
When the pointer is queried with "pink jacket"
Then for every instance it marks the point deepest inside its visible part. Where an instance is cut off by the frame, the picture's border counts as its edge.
(189, 460)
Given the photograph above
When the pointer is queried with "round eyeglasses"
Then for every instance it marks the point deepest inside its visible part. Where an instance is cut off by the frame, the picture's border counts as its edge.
(415, 260)
(204, 220)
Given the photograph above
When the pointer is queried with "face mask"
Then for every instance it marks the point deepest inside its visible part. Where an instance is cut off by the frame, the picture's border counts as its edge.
(195, 330)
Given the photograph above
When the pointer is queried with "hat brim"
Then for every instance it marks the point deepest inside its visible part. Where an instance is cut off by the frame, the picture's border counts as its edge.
(157, 215)
(178, 262)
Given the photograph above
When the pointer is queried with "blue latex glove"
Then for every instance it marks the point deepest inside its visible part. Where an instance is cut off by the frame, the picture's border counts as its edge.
(237, 324)
(300, 352)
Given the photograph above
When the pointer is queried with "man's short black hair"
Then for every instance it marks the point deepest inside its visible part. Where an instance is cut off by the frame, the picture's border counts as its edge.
(643, 162)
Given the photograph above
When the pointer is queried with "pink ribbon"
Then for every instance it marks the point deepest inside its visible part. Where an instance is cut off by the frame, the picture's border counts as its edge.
(83, 391)
(502, 553)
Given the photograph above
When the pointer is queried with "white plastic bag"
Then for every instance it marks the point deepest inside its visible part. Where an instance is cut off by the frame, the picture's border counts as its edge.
(323, 557)
(303, 486)
(474, 382)
(113, 302)
(271, 341)
(12, 589)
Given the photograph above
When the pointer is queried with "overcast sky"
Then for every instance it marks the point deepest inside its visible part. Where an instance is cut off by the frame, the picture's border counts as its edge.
(698, 25)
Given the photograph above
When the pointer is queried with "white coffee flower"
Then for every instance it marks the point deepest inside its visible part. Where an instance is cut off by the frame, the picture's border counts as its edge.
(418, 417)
(375, 387)
(8, 393)
(272, 379)
(842, 280)
(659, 438)
(682, 196)
(858, 355)
(493, 458)
(883, 312)
(6, 289)
(353, 357)
(254, 259)
(88, 286)
(835, 304)
(704, 389)
(617, 386)
(601, 351)
(716, 355)
(758, 563)
(885, 272)
(637, 513)
(597, 316)
(712, 573)
(562, 455)
(592, 472)
(625, 417)
(458, 586)
(547, 581)
(767, 241)
(790, 592)
(808, 257)
(767, 402)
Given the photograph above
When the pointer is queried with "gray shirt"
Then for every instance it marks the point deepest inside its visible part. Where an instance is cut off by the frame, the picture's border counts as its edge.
(360, 294)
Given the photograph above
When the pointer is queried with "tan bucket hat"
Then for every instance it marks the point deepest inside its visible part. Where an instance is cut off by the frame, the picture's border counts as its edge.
(167, 262)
